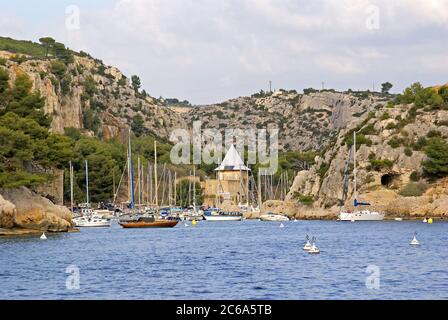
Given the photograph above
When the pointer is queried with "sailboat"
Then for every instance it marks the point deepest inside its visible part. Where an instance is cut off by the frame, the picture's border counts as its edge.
(88, 217)
(356, 215)
(137, 218)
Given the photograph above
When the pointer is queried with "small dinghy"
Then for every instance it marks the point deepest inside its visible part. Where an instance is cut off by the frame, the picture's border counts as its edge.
(414, 241)
(307, 246)
(43, 236)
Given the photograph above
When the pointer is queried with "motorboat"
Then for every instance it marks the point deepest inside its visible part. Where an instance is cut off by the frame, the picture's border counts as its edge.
(218, 215)
(273, 217)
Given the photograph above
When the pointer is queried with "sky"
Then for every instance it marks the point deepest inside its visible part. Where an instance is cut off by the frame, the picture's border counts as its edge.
(207, 51)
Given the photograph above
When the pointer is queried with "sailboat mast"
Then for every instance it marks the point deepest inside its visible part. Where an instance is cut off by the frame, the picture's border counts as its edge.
(354, 164)
(151, 199)
(129, 175)
(131, 170)
(139, 181)
(155, 174)
(194, 188)
(148, 185)
(143, 183)
(170, 190)
(259, 189)
(175, 189)
(189, 188)
(71, 186)
(247, 185)
(87, 183)
(113, 182)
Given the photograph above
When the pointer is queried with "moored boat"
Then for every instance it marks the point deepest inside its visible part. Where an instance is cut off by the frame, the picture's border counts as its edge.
(217, 215)
(88, 218)
(273, 217)
(147, 224)
(92, 222)
(356, 215)
(139, 218)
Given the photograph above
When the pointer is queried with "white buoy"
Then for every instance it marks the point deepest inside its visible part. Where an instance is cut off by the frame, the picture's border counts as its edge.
(43, 236)
(282, 225)
(186, 224)
(307, 246)
(425, 221)
(414, 241)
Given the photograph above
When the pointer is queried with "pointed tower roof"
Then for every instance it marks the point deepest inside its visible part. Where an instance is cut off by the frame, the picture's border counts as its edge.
(232, 162)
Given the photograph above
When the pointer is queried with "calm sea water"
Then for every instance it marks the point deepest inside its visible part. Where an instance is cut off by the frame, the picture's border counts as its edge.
(239, 260)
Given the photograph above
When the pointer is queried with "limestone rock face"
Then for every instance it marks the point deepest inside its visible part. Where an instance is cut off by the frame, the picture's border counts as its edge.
(116, 102)
(288, 208)
(34, 212)
(379, 185)
(7, 213)
(305, 121)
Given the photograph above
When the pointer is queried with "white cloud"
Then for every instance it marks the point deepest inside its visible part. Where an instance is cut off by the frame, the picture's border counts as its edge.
(207, 51)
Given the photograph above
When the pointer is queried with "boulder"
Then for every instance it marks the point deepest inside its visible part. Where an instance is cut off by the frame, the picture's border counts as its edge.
(7, 213)
(35, 212)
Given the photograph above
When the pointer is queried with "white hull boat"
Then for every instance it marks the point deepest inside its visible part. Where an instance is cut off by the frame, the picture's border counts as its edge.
(356, 215)
(85, 222)
(365, 215)
(273, 217)
(105, 214)
(223, 218)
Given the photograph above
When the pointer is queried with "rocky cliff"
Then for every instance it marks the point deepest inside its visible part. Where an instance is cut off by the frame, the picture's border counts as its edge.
(305, 121)
(389, 164)
(88, 95)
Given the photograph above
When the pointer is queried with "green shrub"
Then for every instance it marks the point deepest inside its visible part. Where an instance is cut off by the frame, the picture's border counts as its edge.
(396, 142)
(305, 200)
(415, 176)
(391, 126)
(368, 130)
(90, 86)
(385, 116)
(420, 144)
(18, 58)
(323, 169)
(390, 105)
(2, 62)
(408, 152)
(378, 164)
(413, 189)
(58, 68)
(360, 140)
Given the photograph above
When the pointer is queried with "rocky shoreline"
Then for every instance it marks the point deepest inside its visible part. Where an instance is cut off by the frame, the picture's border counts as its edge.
(24, 212)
